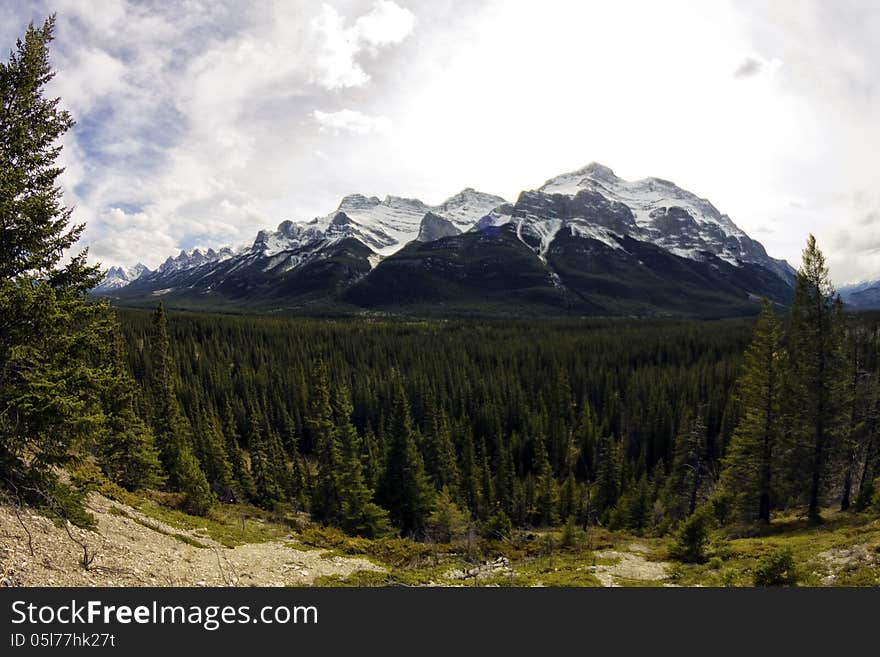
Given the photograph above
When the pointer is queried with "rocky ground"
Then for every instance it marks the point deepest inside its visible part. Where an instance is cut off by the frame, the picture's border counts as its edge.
(130, 549)
(630, 565)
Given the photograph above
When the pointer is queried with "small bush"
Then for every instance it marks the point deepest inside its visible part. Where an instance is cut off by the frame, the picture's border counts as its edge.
(728, 577)
(692, 536)
(776, 569)
(571, 534)
(497, 527)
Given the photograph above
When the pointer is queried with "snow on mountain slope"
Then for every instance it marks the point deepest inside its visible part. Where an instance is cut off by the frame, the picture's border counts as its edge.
(668, 216)
(591, 203)
(117, 277)
(194, 258)
(386, 225)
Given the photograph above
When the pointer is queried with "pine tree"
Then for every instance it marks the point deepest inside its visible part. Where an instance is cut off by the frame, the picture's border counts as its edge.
(690, 467)
(127, 451)
(547, 490)
(608, 475)
(54, 343)
(752, 457)
(405, 489)
(170, 426)
(447, 520)
(267, 488)
(326, 504)
(440, 458)
(817, 374)
(858, 401)
(359, 514)
(211, 452)
(244, 487)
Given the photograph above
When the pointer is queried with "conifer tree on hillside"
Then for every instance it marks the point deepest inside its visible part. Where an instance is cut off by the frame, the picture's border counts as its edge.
(690, 467)
(244, 488)
(170, 426)
(359, 514)
(547, 489)
(440, 457)
(127, 451)
(54, 344)
(860, 394)
(326, 503)
(816, 376)
(405, 489)
(268, 490)
(608, 475)
(754, 453)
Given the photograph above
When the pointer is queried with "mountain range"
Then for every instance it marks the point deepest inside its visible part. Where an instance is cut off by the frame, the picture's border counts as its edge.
(583, 243)
(861, 296)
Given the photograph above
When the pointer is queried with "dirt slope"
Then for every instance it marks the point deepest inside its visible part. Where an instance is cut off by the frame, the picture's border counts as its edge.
(128, 553)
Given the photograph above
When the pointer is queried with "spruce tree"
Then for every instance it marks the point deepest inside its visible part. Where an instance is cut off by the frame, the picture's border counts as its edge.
(243, 487)
(170, 426)
(751, 461)
(608, 475)
(405, 489)
(690, 467)
(440, 457)
(359, 514)
(127, 451)
(268, 490)
(326, 504)
(546, 489)
(817, 375)
(54, 343)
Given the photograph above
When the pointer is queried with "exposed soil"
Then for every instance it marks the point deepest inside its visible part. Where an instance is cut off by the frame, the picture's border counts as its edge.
(631, 565)
(127, 553)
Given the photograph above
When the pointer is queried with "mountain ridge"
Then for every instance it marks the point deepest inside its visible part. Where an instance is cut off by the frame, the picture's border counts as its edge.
(574, 223)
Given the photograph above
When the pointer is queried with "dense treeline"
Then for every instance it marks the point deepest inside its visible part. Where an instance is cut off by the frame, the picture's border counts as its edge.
(411, 427)
(632, 424)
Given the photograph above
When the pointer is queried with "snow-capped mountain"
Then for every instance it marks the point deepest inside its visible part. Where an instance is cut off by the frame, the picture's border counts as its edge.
(383, 225)
(117, 277)
(585, 242)
(864, 295)
(595, 202)
(193, 258)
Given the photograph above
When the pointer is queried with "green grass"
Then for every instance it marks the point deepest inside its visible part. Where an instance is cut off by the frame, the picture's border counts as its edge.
(228, 524)
(535, 557)
(183, 538)
(839, 531)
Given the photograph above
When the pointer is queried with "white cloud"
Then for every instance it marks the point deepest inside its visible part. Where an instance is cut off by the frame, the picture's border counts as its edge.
(386, 24)
(336, 59)
(352, 121)
(210, 119)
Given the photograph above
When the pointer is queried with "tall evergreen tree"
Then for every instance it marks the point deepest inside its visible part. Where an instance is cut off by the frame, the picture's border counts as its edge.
(754, 451)
(170, 426)
(690, 467)
(608, 475)
(359, 514)
(326, 502)
(269, 490)
(405, 489)
(53, 342)
(547, 489)
(817, 374)
(244, 487)
(127, 451)
(440, 458)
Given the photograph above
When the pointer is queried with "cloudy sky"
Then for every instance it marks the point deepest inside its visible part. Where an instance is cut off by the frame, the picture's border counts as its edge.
(202, 121)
